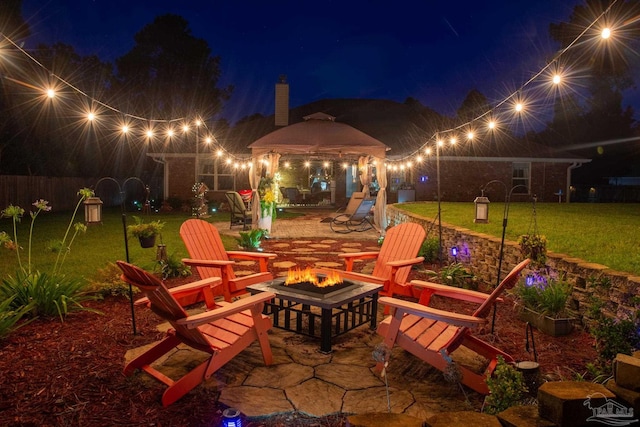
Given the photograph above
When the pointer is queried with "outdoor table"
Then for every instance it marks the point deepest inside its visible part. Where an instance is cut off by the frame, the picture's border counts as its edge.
(339, 312)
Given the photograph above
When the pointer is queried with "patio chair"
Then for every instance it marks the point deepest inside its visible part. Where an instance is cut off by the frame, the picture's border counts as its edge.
(211, 259)
(240, 215)
(222, 333)
(294, 196)
(399, 251)
(353, 203)
(433, 335)
(359, 220)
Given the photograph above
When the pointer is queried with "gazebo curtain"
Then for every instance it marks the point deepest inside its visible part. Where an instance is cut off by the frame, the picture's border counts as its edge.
(365, 173)
(380, 210)
(255, 174)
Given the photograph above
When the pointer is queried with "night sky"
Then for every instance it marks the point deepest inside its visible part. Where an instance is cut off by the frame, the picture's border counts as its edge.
(433, 51)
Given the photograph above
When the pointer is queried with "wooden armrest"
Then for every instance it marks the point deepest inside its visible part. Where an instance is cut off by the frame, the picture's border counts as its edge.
(237, 306)
(193, 287)
(406, 262)
(207, 262)
(251, 255)
(432, 313)
(359, 255)
(451, 291)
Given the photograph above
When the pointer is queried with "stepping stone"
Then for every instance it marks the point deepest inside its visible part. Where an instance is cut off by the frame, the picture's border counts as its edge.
(280, 245)
(305, 397)
(328, 242)
(255, 401)
(351, 245)
(351, 250)
(307, 258)
(303, 250)
(241, 273)
(328, 264)
(246, 263)
(319, 246)
(284, 264)
(301, 242)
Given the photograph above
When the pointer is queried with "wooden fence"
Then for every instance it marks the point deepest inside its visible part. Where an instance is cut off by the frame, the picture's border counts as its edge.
(60, 192)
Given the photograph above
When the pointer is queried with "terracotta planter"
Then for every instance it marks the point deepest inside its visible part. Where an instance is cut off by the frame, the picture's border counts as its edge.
(147, 242)
(546, 324)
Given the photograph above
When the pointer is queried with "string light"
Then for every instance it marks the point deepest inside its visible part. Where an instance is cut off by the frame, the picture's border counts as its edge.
(518, 103)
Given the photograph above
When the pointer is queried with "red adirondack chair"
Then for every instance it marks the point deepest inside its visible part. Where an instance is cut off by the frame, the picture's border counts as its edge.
(223, 332)
(397, 254)
(211, 259)
(433, 335)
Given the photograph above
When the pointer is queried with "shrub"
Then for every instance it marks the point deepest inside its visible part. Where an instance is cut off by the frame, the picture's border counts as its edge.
(506, 388)
(613, 336)
(173, 267)
(251, 239)
(107, 282)
(430, 250)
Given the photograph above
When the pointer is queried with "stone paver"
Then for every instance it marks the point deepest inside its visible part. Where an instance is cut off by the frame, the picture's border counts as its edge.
(316, 398)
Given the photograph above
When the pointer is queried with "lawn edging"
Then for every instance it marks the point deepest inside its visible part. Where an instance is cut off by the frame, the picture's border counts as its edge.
(481, 252)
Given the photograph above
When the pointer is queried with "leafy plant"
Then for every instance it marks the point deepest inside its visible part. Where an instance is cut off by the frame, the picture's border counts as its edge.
(455, 274)
(107, 282)
(613, 336)
(506, 388)
(252, 239)
(44, 293)
(9, 317)
(534, 247)
(143, 229)
(543, 295)
(430, 250)
(173, 266)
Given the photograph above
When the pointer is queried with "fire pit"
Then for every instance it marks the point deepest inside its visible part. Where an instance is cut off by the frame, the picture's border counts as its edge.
(308, 282)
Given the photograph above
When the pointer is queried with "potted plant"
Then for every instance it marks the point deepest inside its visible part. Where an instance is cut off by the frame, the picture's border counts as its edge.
(251, 240)
(543, 303)
(534, 247)
(146, 232)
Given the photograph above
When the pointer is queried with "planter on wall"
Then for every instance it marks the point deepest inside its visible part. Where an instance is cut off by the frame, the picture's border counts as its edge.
(545, 324)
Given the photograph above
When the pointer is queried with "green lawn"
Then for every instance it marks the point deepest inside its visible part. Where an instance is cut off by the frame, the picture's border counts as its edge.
(100, 245)
(602, 233)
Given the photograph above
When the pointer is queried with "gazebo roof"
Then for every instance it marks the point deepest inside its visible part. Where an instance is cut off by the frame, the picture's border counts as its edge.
(319, 133)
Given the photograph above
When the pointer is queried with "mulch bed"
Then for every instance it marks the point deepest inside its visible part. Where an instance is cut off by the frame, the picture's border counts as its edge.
(70, 373)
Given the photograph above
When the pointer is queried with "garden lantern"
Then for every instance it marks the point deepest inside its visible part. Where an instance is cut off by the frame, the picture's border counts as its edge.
(93, 210)
(482, 209)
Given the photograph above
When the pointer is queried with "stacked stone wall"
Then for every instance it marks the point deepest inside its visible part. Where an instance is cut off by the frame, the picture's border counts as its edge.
(592, 283)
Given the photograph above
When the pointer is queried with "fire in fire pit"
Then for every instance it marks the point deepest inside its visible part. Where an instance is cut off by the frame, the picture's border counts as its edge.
(307, 275)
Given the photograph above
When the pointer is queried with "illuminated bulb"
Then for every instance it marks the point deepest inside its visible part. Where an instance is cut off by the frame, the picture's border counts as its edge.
(170, 133)
(236, 165)
(440, 142)
(198, 122)
(519, 107)
(428, 151)
(219, 153)
(229, 161)
(287, 165)
(409, 164)
(51, 93)
(125, 129)
(307, 164)
(606, 33)
(91, 117)
(345, 165)
(149, 133)
(419, 159)
(243, 166)
(208, 140)
(556, 79)
(185, 128)
(401, 167)
(492, 124)
(470, 135)
(325, 164)
(453, 140)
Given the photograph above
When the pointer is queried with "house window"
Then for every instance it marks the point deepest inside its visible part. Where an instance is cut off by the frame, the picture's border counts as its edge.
(521, 178)
(217, 175)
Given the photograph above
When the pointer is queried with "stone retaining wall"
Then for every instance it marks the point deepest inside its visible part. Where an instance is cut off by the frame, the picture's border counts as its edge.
(592, 283)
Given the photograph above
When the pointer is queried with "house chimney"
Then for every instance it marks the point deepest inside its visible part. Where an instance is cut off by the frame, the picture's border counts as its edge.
(282, 102)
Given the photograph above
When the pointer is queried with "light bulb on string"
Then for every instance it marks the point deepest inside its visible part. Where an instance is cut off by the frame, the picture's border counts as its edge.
(219, 153)
(605, 33)
(51, 93)
(470, 135)
(124, 129)
(453, 140)
(208, 140)
(492, 124)
(419, 158)
(170, 133)
(427, 151)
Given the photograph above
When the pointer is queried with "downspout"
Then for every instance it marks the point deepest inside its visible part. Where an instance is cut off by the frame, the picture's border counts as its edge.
(165, 176)
(574, 165)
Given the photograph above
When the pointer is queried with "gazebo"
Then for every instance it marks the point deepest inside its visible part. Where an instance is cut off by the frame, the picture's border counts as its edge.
(320, 135)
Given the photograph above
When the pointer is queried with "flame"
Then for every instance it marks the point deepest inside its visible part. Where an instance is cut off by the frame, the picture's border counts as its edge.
(297, 275)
